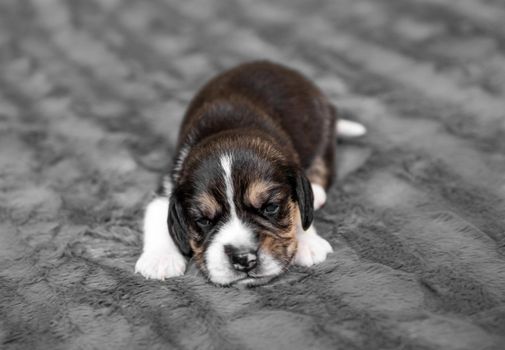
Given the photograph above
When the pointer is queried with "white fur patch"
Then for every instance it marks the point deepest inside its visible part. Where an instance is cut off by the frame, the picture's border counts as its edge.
(269, 266)
(319, 196)
(226, 164)
(234, 232)
(160, 258)
(312, 248)
(349, 129)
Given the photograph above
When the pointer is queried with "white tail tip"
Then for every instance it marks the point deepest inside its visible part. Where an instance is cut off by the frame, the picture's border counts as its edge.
(349, 129)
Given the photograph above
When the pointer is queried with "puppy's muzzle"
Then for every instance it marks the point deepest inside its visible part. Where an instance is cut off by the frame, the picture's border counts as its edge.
(243, 260)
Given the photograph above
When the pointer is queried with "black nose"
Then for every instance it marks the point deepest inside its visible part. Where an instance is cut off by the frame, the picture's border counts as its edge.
(241, 260)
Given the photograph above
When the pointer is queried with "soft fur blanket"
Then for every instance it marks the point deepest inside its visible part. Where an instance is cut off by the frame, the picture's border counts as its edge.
(91, 95)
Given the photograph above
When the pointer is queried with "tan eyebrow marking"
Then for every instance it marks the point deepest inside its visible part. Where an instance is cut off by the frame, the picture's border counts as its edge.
(208, 205)
(258, 192)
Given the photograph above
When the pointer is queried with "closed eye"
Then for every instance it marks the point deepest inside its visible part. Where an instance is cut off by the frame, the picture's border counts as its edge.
(271, 209)
(204, 223)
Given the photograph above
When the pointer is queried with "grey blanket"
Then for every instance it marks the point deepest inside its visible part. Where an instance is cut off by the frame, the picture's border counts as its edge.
(91, 95)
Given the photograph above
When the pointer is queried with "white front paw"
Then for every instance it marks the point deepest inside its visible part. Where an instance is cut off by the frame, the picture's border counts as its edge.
(160, 265)
(312, 249)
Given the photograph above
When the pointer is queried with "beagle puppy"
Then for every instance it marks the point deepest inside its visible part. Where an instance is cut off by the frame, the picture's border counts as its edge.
(254, 159)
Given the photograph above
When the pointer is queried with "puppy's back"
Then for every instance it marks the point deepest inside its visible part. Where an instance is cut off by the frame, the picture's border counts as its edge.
(284, 95)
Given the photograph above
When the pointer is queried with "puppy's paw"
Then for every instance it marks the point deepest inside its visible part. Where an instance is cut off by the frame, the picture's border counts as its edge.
(312, 249)
(319, 195)
(160, 265)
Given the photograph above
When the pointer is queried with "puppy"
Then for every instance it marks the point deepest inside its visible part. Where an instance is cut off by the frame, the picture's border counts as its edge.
(254, 159)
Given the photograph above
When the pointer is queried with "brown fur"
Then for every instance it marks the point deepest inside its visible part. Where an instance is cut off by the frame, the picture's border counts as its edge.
(257, 193)
(318, 172)
(283, 245)
(198, 252)
(208, 205)
(274, 104)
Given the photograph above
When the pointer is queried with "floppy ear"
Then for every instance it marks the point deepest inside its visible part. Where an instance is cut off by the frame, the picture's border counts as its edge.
(177, 225)
(305, 199)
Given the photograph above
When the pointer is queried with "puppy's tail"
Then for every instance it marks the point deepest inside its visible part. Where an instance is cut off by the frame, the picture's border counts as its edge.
(348, 129)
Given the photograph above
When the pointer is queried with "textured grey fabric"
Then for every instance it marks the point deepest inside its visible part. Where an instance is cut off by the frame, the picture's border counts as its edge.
(91, 95)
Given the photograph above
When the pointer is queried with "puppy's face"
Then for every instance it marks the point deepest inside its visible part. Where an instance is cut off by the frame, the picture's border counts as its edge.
(237, 213)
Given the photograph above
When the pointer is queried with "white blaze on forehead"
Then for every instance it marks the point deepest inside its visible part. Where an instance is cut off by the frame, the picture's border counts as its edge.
(234, 232)
(226, 164)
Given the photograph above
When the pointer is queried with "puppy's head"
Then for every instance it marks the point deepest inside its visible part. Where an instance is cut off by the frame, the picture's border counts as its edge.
(236, 211)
